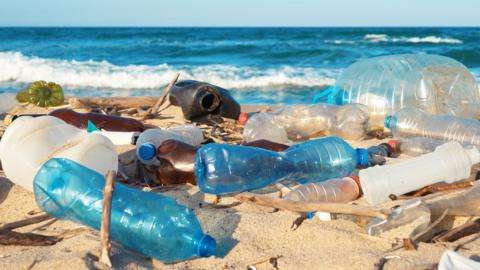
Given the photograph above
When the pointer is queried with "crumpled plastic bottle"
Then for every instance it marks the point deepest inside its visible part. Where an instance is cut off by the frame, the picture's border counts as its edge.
(386, 84)
(222, 168)
(301, 122)
(150, 223)
(339, 190)
(408, 123)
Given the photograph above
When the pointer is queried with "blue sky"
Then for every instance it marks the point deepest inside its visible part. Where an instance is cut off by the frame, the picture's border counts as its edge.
(239, 13)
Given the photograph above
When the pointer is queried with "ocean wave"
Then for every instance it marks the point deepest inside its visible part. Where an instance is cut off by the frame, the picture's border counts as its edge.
(375, 38)
(18, 68)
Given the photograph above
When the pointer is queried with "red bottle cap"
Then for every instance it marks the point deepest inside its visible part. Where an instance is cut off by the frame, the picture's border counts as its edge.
(393, 144)
(243, 118)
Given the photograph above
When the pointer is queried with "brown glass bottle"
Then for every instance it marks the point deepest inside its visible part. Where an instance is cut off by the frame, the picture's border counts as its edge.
(102, 121)
(177, 160)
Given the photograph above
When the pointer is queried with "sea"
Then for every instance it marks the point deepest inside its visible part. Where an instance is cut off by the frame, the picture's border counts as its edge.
(258, 65)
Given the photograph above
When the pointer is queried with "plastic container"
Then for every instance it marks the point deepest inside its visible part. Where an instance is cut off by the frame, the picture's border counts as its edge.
(221, 168)
(43, 94)
(301, 122)
(7, 102)
(450, 162)
(147, 222)
(386, 84)
(408, 123)
(29, 142)
(338, 190)
(415, 146)
(119, 137)
(151, 139)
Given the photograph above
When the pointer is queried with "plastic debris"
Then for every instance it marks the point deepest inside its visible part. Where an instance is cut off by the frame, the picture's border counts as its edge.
(451, 260)
(43, 94)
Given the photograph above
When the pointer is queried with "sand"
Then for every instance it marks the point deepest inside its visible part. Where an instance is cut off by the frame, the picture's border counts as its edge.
(246, 234)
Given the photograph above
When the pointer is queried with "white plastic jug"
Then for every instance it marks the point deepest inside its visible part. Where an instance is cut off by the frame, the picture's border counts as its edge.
(29, 142)
(449, 162)
(151, 139)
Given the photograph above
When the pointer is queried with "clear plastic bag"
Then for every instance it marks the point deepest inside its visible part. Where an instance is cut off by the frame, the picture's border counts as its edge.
(386, 84)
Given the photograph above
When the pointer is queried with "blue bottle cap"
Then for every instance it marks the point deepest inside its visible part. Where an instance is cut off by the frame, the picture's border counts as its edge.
(310, 215)
(390, 121)
(362, 155)
(206, 246)
(147, 151)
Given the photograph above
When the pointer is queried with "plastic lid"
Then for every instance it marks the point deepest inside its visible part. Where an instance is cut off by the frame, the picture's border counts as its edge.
(362, 155)
(390, 121)
(206, 246)
(147, 151)
(243, 118)
(393, 144)
(310, 215)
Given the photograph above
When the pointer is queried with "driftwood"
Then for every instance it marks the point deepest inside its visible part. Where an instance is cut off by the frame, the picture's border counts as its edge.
(117, 102)
(469, 228)
(154, 109)
(9, 237)
(302, 207)
(106, 213)
(24, 222)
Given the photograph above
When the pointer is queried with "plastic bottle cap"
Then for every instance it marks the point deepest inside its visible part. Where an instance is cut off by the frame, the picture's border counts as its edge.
(206, 246)
(393, 144)
(147, 151)
(390, 121)
(310, 215)
(243, 118)
(363, 159)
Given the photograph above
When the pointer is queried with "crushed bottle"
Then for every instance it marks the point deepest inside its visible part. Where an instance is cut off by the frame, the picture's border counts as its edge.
(408, 123)
(221, 168)
(301, 122)
(149, 223)
(386, 84)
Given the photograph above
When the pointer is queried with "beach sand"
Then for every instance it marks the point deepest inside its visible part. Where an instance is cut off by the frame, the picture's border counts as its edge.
(245, 234)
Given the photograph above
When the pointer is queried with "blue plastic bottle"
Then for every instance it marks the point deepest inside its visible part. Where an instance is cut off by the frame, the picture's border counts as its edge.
(152, 224)
(221, 168)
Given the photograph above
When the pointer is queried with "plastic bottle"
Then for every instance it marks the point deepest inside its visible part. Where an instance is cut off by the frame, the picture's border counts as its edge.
(337, 190)
(301, 122)
(149, 223)
(408, 123)
(386, 84)
(29, 142)
(102, 121)
(415, 146)
(221, 168)
(43, 94)
(449, 162)
(7, 102)
(150, 140)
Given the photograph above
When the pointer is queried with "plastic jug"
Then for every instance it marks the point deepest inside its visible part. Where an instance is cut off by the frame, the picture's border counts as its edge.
(7, 102)
(147, 222)
(408, 123)
(221, 168)
(449, 162)
(337, 190)
(386, 84)
(150, 140)
(29, 142)
(301, 122)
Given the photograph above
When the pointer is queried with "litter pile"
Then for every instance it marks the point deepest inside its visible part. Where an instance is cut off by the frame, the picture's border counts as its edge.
(429, 104)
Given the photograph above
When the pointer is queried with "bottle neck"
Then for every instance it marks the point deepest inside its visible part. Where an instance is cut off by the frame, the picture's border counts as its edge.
(362, 157)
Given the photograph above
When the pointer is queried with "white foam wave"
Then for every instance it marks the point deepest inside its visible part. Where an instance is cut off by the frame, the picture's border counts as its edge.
(16, 67)
(375, 38)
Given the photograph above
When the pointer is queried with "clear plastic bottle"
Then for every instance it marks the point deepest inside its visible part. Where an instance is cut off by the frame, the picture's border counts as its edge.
(408, 123)
(151, 139)
(221, 168)
(149, 223)
(29, 142)
(337, 190)
(415, 146)
(7, 102)
(449, 162)
(301, 122)
(386, 84)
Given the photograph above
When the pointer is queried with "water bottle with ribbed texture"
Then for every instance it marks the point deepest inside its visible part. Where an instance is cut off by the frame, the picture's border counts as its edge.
(337, 190)
(415, 146)
(386, 84)
(151, 139)
(221, 168)
(149, 223)
(301, 122)
(408, 123)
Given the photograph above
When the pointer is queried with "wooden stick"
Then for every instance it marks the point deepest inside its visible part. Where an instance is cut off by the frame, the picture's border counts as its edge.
(453, 186)
(25, 222)
(105, 227)
(304, 207)
(464, 230)
(154, 109)
(118, 102)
